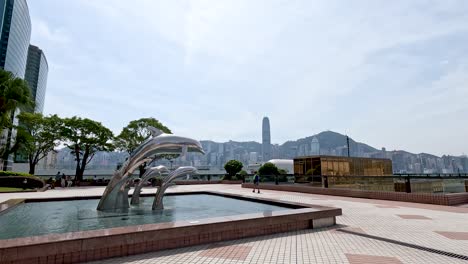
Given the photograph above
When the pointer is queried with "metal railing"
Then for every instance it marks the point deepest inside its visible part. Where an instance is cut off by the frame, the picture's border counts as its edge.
(439, 183)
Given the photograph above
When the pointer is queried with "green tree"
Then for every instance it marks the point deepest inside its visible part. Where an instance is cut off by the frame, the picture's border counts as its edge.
(268, 169)
(136, 132)
(38, 136)
(232, 167)
(84, 137)
(243, 173)
(14, 94)
(282, 171)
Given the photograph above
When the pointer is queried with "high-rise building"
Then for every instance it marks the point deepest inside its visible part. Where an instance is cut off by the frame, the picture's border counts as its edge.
(253, 157)
(315, 146)
(36, 76)
(266, 139)
(15, 33)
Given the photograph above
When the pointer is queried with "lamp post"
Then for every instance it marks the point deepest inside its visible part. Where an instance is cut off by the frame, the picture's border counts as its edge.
(347, 144)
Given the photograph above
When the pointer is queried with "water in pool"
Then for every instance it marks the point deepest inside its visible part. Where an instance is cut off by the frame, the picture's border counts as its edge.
(40, 218)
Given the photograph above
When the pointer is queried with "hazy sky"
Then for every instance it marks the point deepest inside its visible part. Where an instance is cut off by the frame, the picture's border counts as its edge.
(388, 73)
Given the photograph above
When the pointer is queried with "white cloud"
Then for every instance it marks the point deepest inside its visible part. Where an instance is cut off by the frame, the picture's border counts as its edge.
(214, 68)
(44, 33)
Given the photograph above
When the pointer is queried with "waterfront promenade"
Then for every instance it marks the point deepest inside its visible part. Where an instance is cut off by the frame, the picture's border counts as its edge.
(369, 231)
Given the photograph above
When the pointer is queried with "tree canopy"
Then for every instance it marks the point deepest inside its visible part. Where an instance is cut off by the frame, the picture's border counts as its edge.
(38, 136)
(268, 169)
(84, 137)
(136, 132)
(14, 93)
(232, 167)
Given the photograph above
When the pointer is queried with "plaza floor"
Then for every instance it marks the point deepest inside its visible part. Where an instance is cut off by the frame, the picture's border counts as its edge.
(369, 231)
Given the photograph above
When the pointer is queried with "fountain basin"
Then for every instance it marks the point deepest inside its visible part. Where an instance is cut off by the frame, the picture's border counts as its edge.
(267, 217)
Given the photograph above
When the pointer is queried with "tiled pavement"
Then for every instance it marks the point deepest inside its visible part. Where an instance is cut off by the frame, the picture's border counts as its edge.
(432, 226)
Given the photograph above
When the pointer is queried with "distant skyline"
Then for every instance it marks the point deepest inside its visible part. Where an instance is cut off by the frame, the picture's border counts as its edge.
(392, 74)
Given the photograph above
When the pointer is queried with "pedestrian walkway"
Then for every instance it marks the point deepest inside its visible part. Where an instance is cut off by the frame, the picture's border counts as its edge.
(369, 231)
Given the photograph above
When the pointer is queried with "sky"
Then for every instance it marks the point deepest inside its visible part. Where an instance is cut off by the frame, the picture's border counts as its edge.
(390, 74)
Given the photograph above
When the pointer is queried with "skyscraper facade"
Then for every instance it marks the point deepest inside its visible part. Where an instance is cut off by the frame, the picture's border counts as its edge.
(15, 35)
(266, 139)
(36, 75)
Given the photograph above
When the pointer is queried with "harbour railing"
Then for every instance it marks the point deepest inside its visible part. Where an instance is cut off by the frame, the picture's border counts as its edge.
(409, 183)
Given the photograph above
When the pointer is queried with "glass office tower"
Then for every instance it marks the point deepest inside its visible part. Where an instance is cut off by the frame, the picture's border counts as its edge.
(15, 34)
(36, 76)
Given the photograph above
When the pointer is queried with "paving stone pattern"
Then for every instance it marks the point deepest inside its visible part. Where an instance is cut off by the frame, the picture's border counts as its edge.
(439, 227)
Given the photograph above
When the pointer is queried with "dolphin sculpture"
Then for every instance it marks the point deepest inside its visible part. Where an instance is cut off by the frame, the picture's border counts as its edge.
(150, 173)
(115, 195)
(167, 182)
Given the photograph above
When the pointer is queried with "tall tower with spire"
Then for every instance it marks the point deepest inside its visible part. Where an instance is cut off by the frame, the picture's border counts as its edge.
(266, 139)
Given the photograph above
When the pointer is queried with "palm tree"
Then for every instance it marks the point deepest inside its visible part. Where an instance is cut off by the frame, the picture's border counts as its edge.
(14, 94)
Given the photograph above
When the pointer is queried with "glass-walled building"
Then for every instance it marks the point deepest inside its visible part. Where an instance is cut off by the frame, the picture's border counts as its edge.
(15, 35)
(36, 76)
(307, 167)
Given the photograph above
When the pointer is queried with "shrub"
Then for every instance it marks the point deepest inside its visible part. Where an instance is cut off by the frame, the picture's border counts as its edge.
(241, 176)
(243, 173)
(13, 173)
(232, 167)
(32, 182)
(268, 169)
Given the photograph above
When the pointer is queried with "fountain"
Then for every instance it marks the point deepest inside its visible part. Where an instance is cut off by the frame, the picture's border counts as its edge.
(115, 196)
(72, 230)
(149, 174)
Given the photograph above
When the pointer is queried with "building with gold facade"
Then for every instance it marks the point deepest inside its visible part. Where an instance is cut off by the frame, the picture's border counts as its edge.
(310, 167)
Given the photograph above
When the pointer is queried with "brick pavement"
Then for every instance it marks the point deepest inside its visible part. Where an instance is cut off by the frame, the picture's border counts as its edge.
(442, 228)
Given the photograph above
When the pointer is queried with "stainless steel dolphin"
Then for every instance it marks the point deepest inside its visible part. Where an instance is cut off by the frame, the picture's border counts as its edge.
(150, 173)
(115, 195)
(167, 182)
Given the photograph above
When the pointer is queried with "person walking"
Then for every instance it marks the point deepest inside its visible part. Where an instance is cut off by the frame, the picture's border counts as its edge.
(58, 176)
(256, 183)
(62, 180)
(56, 182)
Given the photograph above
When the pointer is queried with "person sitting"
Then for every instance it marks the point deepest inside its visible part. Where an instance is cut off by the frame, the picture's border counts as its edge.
(50, 183)
(69, 181)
